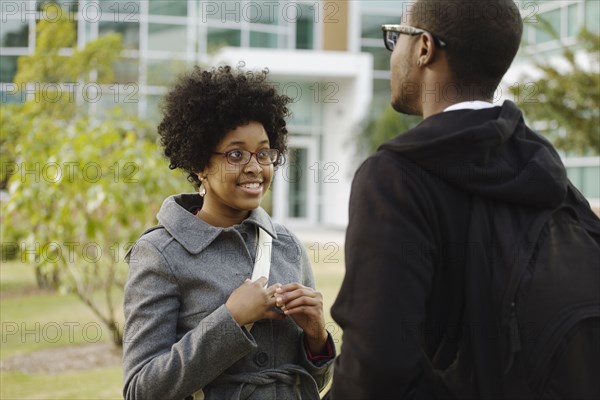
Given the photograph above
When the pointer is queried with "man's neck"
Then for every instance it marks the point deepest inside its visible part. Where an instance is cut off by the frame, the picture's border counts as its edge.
(470, 105)
(431, 108)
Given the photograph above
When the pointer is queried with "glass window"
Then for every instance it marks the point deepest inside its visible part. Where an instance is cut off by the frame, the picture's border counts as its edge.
(224, 11)
(263, 39)
(124, 98)
(218, 38)
(129, 9)
(296, 163)
(371, 25)
(14, 33)
(126, 70)
(528, 31)
(168, 7)
(592, 15)
(163, 72)
(381, 100)
(12, 97)
(543, 34)
(302, 95)
(70, 6)
(305, 27)
(590, 185)
(575, 174)
(153, 111)
(591, 177)
(572, 26)
(381, 57)
(129, 31)
(395, 6)
(381, 95)
(8, 68)
(262, 12)
(167, 37)
(586, 179)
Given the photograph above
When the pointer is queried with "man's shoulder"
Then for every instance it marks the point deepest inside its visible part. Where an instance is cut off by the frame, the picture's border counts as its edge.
(386, 161)
(390, 175)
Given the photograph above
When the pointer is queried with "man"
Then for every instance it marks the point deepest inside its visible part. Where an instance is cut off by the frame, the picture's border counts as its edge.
(407, 241)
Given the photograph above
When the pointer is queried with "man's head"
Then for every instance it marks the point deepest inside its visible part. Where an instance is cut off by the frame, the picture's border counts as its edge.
(481, 36)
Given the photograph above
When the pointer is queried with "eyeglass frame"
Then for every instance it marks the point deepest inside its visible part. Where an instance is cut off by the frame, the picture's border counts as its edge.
(255, 154)
(406, 30)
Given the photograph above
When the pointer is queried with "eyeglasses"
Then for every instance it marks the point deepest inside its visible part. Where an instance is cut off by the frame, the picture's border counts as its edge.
(391, 33)
(242, 157)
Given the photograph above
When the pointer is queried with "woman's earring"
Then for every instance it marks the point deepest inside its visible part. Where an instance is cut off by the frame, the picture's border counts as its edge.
(202, 189)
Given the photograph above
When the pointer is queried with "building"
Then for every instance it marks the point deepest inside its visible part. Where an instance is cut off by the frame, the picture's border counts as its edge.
(301, 42)
(326, 55)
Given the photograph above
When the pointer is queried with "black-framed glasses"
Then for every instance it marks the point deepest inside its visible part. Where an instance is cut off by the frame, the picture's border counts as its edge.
(391, 33)
(242, 157)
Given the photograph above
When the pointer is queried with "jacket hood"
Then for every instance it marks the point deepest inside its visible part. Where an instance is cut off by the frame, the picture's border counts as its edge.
(489, 152)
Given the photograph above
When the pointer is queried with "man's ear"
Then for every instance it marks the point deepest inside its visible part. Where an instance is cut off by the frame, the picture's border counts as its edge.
(426, 49)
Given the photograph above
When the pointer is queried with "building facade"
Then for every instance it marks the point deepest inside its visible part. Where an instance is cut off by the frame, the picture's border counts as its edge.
(302, 43)
(327, 56)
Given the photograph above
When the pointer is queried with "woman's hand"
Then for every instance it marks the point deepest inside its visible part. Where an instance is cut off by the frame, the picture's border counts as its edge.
(305, 306)
(252, 301)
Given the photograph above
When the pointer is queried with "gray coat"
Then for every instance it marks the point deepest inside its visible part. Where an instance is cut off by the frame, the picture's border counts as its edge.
(179, 336)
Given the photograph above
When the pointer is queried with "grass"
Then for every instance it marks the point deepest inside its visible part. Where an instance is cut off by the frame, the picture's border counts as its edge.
(328, 278)
(42, 321)
(16, 276)
(96, 384)
(34, 320)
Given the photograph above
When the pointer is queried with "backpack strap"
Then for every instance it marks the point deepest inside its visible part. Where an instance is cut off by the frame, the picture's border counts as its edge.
(480, 318)
(448, 349)
(475, 369)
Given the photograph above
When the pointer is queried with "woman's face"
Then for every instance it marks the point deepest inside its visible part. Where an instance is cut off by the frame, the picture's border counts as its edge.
(234, 190)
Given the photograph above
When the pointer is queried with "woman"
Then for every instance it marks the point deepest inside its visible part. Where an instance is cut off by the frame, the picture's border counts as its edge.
(196, 325)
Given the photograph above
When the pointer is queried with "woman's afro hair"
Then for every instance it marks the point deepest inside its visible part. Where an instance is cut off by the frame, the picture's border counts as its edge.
(204, 105)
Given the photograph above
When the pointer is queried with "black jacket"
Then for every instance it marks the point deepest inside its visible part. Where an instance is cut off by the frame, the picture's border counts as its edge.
(407, 236)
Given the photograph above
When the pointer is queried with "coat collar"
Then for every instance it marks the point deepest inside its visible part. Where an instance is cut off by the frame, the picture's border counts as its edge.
(194, 234)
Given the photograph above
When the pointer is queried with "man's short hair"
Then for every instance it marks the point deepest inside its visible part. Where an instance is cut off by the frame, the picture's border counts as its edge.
(483, 36)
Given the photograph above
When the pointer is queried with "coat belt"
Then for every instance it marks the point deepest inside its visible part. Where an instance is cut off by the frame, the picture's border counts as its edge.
(289, 374)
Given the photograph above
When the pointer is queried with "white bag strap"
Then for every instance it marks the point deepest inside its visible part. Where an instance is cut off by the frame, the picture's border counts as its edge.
(262, 262)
